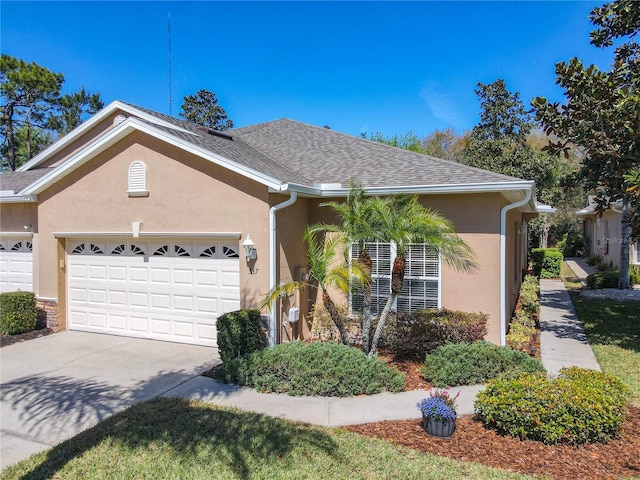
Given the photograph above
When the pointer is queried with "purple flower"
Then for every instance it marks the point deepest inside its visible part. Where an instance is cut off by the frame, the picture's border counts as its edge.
(435, 407)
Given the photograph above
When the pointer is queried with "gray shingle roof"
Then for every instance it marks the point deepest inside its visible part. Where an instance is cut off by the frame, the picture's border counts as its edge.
(324, 155)
(16, 181)
(287, 151)
(295, 152)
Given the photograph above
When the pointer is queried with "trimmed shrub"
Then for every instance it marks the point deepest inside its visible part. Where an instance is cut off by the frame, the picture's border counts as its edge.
(610, 278)
(546, 262)
(413, 336)
(603, 280)
(579, 406)
(239, 333)
(470, 364)
(519, 335)
(328, 369)
(530, 302)
(591, 260)
(18, 313)
(571, 244)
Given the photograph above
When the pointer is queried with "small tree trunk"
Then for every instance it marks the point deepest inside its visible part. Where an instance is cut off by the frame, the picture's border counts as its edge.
(365, 258)
(335, 317)
(397, 279)
(544, 237)
(623, 282)
(11, 141)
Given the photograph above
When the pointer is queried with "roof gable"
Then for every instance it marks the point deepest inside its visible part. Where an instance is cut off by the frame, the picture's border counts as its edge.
(283, 155)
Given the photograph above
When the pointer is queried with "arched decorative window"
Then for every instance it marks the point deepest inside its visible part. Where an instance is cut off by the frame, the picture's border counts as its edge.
(138, 180)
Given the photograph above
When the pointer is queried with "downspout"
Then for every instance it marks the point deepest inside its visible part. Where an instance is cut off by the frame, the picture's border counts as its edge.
(503, 262)
(272, 261)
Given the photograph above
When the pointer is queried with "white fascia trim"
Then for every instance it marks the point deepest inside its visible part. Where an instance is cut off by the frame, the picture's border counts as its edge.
(221, 235)
(90, 123)
(545, 209)
(124, 129)
(19, 199)
(16, 234)
(495, 187)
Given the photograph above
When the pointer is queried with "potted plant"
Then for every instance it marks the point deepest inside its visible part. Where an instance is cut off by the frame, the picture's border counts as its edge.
(438, 413)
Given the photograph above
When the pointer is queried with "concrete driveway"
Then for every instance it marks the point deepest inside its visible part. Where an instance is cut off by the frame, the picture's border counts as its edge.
(53, 387)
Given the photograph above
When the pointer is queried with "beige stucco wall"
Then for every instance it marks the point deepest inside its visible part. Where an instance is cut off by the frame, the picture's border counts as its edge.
(186, 194)
(476, 218)
(14, 216)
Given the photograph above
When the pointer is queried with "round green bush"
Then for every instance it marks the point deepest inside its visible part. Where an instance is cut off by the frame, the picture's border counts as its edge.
(18, 313)
(580, 406)
(413, 336)
(470, 364)
(327, 369)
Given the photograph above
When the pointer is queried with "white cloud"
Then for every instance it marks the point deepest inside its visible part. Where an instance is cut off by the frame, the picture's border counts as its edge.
(443, 105)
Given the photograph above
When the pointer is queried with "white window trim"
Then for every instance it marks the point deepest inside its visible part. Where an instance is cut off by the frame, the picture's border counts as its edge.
(392, 256)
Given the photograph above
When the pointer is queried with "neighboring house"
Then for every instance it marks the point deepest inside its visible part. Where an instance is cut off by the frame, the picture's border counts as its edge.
(135, 224)
(603, 233)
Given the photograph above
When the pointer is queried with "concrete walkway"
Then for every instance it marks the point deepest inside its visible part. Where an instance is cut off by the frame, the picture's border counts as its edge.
(580, 269)
(56, 386)
(563, 342)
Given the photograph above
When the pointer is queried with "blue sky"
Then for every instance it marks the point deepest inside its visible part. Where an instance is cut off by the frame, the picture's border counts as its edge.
(386, 67)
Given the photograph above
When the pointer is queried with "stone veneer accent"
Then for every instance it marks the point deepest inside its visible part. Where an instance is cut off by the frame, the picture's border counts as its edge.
(49, 309)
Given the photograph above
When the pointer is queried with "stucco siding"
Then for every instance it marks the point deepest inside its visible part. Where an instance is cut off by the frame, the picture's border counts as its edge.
(186, 194)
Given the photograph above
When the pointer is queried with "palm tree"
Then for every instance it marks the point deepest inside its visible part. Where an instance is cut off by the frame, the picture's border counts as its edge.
(324, 273)
(402, 220)
(355, 227)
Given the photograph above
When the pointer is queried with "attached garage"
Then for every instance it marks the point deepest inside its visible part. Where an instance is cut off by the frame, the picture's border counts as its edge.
(16, 264)
(165, 289)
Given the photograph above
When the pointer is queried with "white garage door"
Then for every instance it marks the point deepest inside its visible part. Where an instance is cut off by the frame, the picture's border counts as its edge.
(16, 265)
(166, 290)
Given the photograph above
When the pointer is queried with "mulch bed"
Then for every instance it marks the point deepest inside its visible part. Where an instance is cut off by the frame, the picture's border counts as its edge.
(472, 442)
(6, 340)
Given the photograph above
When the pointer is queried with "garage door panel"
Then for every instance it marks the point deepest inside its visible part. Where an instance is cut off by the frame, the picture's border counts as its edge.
(138, 274)
(183, 276)
(118, 322)
(160, 326)
(117, 273)
(165, 294)
(138, 299)
(183, 303)
(138, 324)
(160, 276)
(161, 301)
(206, 278)
(98, 320)
(118, 298)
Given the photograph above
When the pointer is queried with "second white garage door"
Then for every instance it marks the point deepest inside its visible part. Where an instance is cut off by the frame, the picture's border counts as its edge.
(167, 290)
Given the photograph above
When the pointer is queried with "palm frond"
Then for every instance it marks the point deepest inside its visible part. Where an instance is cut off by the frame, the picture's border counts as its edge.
(282, 290)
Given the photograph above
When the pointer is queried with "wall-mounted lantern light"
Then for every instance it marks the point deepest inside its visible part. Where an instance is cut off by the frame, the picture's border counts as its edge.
(249, 250)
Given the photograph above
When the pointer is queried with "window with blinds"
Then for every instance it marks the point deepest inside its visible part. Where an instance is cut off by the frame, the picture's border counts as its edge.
(421, 287)
(138, 179)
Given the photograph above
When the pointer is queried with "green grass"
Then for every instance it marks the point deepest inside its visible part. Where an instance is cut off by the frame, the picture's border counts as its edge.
(613, 330)
(175, 438)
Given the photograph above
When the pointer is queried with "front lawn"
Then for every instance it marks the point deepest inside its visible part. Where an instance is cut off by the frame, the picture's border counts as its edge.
(175, 438)
(613, 330)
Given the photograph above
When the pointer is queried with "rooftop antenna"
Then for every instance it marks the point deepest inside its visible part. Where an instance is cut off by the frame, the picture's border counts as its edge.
(170, 87)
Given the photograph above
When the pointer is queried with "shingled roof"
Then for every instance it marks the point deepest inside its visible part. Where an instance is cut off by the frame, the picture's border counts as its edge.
(287, 154)
(16, 181)
(323, 155)
(299, 153)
